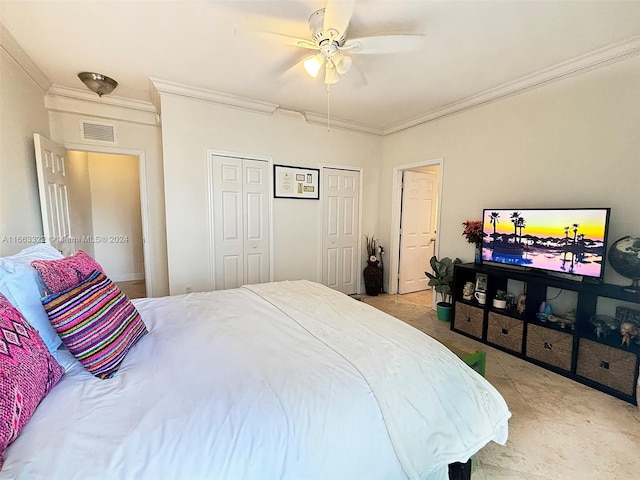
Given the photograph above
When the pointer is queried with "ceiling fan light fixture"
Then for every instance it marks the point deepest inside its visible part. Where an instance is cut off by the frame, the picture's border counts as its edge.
(342, 63)
(331, 75)
(313, 64)
(98, 83)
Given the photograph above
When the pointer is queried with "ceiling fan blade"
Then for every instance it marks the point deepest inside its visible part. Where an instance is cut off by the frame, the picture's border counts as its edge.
(355, 77)
(384, 44)
(293, 66)
(281, 38)
(293, 71)
(337, 15)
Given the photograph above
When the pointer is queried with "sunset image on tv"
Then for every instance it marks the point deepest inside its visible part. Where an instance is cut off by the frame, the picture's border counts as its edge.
(568, 240)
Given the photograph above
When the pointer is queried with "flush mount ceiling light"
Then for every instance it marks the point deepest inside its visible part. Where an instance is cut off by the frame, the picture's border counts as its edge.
(98, 83)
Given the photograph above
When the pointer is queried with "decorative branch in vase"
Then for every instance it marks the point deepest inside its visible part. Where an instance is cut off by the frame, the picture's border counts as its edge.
(371, 248)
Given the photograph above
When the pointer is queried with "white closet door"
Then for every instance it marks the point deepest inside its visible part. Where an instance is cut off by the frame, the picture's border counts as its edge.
(341, 204)
(240, 221)
(256, 213)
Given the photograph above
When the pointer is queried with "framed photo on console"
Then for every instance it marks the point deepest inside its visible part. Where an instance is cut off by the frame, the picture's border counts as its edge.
(296, 182)
(481, 282)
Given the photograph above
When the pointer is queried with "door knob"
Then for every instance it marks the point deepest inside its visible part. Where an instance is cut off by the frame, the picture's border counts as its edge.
(255, 246)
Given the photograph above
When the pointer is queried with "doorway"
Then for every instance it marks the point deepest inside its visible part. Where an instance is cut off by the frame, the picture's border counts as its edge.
(106, 205)
(413, 244)
(107, 215)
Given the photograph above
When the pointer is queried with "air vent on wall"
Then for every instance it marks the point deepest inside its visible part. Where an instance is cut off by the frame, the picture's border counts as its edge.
(93, 132)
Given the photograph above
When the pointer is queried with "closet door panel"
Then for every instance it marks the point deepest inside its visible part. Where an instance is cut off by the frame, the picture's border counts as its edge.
(256, 193)
(240, 221)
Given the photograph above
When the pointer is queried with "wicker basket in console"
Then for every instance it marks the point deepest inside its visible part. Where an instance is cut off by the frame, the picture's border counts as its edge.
(549, 346)
(468, 319)
(505, 331)
(607, 365)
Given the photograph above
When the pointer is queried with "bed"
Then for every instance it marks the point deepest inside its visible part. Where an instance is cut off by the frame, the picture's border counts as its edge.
(286, 380)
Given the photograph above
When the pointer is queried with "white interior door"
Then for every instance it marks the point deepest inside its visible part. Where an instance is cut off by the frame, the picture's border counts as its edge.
(341, 229)
(256, 214)
(417, 229)
(241, 221)
(54, 193)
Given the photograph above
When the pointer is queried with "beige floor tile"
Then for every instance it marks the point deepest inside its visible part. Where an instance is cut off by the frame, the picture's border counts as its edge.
(560, 429)
(133, 289)
(491, 472)
(562, 452)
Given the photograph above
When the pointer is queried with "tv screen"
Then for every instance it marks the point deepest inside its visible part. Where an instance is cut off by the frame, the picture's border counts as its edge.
(559, 240)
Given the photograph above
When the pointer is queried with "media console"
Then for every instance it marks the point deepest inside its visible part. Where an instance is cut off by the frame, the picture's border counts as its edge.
(592, 356)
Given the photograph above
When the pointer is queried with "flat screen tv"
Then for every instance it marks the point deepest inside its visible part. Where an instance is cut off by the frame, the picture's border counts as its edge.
(571, 241)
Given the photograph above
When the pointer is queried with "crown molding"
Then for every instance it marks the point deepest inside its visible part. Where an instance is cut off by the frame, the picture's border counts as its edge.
(161, 87)
(13, 49)
(84, 102)
(224, 99)
(576, 66)
(87, 96)
(317, 119)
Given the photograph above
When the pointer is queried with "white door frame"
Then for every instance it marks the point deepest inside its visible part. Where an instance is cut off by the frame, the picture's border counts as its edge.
(396, 205)
(241, 156)
(319, 267)
(144, 201)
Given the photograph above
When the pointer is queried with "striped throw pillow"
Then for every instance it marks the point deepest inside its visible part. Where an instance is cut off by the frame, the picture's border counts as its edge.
(97, 323)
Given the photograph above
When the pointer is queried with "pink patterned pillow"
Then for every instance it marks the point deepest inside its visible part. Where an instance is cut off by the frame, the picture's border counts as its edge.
(27, 373)
(58, 275)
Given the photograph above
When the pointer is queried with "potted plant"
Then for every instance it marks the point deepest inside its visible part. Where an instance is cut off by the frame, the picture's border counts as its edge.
(500, 300)
(442, 282)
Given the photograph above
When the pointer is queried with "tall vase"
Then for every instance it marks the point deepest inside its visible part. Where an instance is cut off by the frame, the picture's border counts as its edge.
(478, 255)
(372, 278)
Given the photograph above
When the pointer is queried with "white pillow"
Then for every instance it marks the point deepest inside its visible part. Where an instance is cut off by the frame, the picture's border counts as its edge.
(19, 282)
(41, 251)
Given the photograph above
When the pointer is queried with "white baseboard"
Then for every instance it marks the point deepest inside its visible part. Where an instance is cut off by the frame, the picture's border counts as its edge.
(126, 277)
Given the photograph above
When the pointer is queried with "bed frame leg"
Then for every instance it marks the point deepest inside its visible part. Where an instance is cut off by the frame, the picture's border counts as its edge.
(460, 471)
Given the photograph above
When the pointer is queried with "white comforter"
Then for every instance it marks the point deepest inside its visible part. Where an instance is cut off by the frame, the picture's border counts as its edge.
(304, 383)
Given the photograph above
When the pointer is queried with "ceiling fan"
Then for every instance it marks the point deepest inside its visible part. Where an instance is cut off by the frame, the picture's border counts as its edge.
(329, 27)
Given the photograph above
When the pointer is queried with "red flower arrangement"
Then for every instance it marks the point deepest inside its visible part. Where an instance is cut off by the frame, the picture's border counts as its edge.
(473, 231)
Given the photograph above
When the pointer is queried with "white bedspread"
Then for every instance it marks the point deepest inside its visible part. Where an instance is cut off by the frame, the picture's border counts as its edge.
(225, 386)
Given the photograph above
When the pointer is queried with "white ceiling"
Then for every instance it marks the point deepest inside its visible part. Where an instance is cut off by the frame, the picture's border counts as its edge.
(470, 47)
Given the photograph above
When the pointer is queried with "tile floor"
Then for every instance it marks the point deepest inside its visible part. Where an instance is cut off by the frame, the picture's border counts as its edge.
(560, 429)
(133, 289)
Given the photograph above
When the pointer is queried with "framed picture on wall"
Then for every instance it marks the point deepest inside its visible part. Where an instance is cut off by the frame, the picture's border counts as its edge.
(296, 182)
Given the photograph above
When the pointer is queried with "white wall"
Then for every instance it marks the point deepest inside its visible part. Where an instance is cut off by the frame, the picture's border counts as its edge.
(22, 114)
(190, 127)
(132, 136)
(570, 143)
(115, 205)
(573, 143)
(80, 210)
